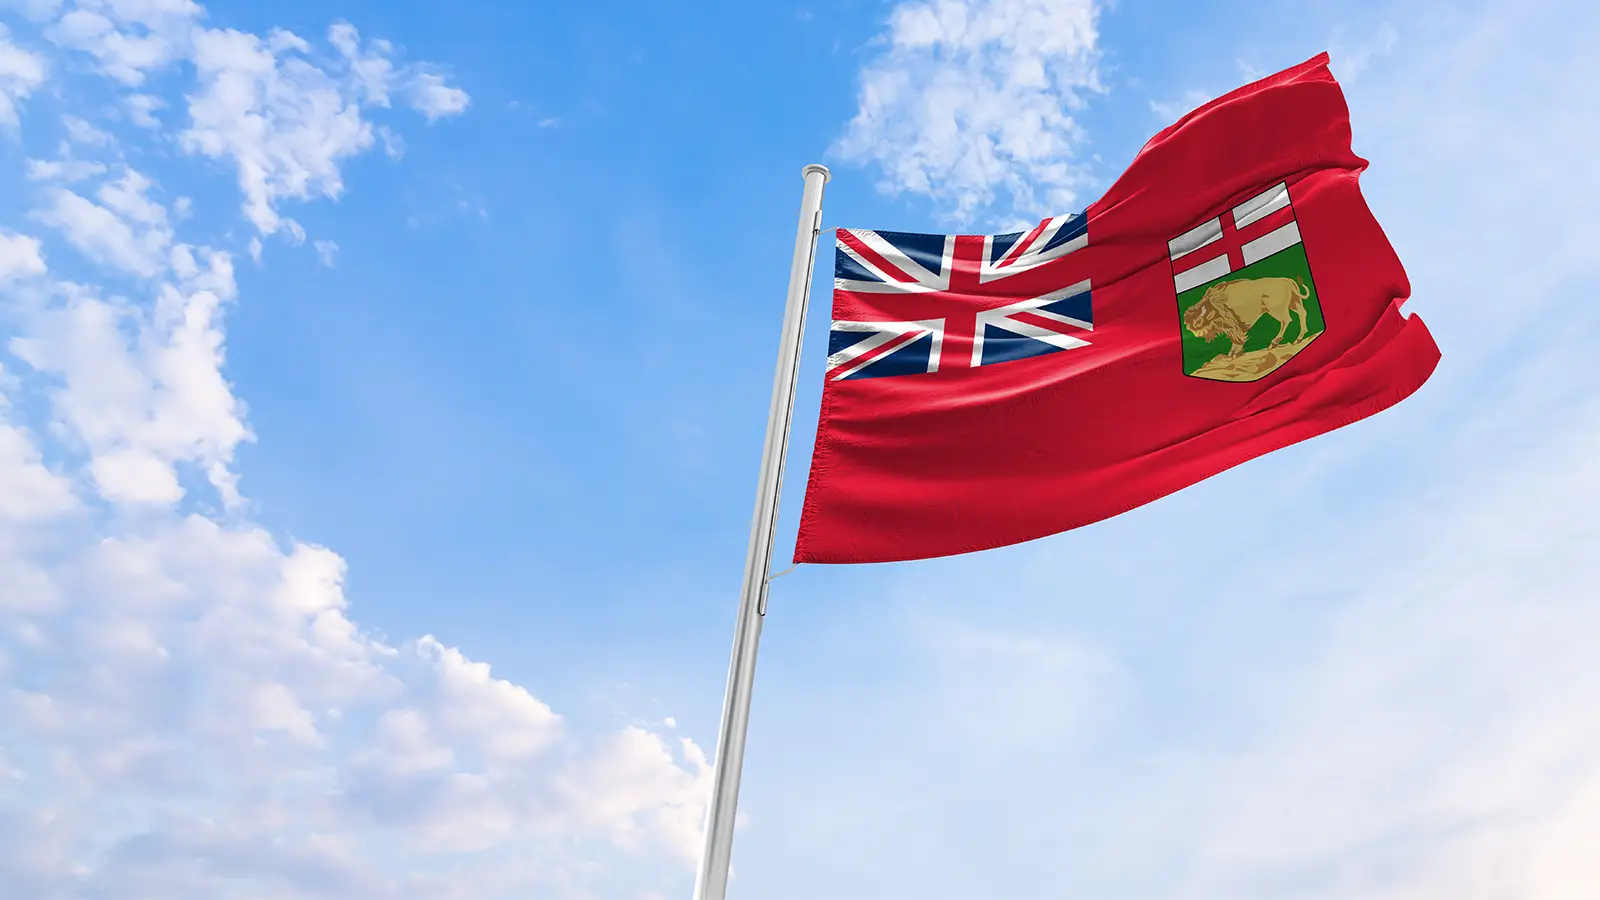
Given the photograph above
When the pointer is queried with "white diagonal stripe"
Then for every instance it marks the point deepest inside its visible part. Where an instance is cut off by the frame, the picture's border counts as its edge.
(1030, 330)
(850, 358)
(1261, 205)
(1022, 258)
(1195, 238)
(1202, 273)
(899, 258)
(1000, 317)
(1271, 242)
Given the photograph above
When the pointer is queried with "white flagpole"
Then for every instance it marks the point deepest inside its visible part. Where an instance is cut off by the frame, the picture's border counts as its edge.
(711, 881)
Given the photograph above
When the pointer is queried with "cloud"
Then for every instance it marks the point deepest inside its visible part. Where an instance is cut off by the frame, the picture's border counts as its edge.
(65, 171)
(284, 119)
(187, 706)
(970, 97)
(126, 230)
(326, 251)
(1349, 63)
(142, 108)
(19, 257)
(21, 72)
(435, 99)
(377, 76)
(29, 492)
(140, 387)
(1439, 741)
(285, 124)
(81, 132)
(123, 53)
(1173, 110)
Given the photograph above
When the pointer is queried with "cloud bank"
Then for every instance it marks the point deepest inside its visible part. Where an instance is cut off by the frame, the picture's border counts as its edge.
(187, 707)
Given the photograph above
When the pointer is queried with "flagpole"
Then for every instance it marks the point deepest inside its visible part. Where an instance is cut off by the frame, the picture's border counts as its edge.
(711, 880)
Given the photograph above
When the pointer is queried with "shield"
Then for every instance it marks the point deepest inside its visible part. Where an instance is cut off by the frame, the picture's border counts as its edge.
(1246, 301)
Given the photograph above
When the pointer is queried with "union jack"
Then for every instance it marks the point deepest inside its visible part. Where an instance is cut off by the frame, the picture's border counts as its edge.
(925, 303)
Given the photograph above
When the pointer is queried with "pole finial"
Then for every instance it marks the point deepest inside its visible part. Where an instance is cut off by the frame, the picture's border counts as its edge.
(815, 167)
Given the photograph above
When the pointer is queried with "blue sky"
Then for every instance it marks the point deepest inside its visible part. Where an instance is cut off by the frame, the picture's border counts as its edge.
(381, 417)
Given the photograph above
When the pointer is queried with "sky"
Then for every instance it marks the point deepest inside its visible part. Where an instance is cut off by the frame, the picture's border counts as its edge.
(381, 396)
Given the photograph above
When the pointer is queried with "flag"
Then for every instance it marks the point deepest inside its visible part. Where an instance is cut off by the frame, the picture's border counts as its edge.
(1231, 294)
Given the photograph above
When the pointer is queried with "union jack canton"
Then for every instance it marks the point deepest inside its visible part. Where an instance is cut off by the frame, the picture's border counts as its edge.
(920, 304)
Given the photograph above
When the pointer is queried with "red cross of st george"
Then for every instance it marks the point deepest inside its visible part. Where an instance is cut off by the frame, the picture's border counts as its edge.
(1233, 240)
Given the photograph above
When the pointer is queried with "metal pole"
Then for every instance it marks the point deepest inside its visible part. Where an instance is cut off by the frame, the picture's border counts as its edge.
(711, 881)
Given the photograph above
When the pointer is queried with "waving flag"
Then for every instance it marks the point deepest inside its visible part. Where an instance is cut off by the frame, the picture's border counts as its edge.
(1230, 295)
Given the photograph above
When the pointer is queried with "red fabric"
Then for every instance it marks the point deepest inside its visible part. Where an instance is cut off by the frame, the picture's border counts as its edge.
(966, 459)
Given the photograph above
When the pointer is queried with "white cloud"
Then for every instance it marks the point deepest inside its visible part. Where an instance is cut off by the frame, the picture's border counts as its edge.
(286, 124)
(394, 146)
(1348, 63)
(29, 490)
(37, 10)
(970, 97)
(66, 171)
(19, 257)
(141, 387)
(187, 707)
(81, 132)
(326, 251)
(126, 230)
(266, 105)
(122, 55)
(374, 73)
(128, 39)
(377, 76)
(435, 99)
(20, 73)
(1440, 741)
(142, 108)
(1170, 111)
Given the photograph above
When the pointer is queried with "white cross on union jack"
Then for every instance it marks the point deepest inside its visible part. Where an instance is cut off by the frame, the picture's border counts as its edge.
(928, 303)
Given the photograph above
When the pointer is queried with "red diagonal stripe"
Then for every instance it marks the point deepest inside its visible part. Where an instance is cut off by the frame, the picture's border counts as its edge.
(889, 347)
(872, 256)
(1021, 246)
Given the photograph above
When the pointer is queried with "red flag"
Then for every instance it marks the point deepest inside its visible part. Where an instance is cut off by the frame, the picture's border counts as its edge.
(1230, 295)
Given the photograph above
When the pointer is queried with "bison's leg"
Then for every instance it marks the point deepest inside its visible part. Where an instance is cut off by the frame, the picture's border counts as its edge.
(1305, 330)
(1283, 325)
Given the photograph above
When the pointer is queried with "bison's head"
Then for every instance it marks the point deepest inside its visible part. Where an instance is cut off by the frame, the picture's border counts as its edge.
(1201, 319)
(1211, 317)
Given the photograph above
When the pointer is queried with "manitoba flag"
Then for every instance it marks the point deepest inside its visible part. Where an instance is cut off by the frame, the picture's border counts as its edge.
(1230, 294)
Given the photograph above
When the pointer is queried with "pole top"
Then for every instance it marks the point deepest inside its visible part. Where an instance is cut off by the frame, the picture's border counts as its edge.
(826, 175)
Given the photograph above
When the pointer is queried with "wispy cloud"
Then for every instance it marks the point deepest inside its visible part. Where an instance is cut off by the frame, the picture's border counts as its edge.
(969, 98)
(1172, 110)
(21, 73)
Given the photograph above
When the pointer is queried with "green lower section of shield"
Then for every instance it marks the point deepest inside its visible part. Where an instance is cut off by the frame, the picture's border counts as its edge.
(1244, 325)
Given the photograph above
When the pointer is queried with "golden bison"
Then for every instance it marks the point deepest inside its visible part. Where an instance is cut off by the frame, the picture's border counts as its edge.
(1232, 308)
